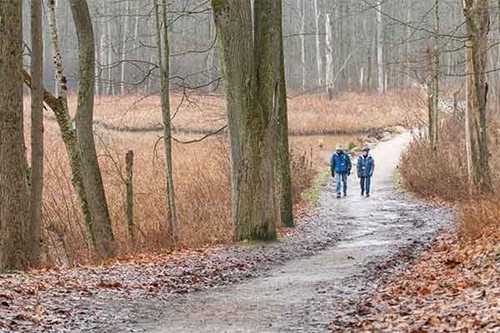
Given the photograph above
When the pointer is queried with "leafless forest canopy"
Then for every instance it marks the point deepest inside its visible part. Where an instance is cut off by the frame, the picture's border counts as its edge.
(125, 44)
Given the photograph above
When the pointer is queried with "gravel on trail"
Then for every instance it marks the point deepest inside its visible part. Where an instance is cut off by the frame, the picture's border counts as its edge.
(335, 255)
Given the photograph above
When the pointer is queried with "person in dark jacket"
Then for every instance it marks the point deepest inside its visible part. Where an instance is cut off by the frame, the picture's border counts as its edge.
(341, 168)
(366, 166)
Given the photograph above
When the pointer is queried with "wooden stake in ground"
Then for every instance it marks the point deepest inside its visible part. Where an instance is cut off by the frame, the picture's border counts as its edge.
(477, 23)
(129, 201)
(14, 193)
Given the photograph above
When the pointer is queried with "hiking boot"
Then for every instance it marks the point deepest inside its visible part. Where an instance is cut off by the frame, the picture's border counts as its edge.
(338, 196)
(362, 193)
(367, 195)
(345, 194)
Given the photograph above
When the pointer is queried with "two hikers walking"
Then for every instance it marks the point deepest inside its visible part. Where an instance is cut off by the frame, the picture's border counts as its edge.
(341, 169)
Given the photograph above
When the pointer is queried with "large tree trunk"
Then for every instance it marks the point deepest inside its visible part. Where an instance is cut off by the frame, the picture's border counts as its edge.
(14, 193)
(164, 65)
(380, 49)
(91, 173)
(36, 131)
(252, 95)
(477, 24)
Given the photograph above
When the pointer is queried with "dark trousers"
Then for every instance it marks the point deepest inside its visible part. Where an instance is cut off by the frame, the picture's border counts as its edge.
(365, 184)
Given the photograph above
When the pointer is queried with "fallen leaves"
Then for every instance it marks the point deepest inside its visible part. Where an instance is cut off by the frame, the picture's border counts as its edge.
(453, 287)
(91, 297)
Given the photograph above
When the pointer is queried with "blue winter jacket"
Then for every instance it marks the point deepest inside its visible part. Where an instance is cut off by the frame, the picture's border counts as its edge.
(365, 166)
(340, 163)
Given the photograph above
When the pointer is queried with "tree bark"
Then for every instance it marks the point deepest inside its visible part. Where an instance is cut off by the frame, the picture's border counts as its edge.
(91, 173)
(477, 24)
(435, 64)
(329, 57)
(14, 193)
(129, 200)
(380, 49)
(164, 65)
(283, 174)
(125, 31)
(319, 60)
(59, 105)
(252, 95)
(36, 132)
(301, 8)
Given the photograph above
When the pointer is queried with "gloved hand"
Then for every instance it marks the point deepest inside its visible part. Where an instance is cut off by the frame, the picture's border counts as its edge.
(348, 173)
(333, 174)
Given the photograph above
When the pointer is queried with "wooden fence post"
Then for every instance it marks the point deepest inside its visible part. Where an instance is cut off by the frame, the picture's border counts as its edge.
(129, 202)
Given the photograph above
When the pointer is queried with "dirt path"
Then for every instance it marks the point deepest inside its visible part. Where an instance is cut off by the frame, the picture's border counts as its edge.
(304, 294)
(306, 282)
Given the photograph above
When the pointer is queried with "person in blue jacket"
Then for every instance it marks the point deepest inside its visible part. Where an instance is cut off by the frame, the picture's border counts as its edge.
(341, 168)
(366, 166)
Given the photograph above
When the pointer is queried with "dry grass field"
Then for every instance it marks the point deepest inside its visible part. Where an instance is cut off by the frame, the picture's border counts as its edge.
(201, 170)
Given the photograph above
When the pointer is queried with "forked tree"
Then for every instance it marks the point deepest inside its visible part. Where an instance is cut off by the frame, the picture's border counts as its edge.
(252, 65)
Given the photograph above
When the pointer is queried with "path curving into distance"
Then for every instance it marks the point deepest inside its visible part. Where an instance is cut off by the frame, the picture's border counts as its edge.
(377, 235)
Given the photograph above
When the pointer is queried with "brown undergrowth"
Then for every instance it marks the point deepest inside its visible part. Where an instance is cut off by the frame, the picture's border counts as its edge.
(201, 169)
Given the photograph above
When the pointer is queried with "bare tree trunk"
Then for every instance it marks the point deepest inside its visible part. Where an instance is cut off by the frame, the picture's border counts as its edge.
(125, 32)
(283, 173)
(477, 23)
(319, 60)
(251, 74)
(329, 57)
(91, 173)
(60, 108)
(136, 47)
(14, 193)
(434, 120)
(380, 49)
(36, 131)
(301, 7)
(164, 65)
(111, 86)
(408, 44)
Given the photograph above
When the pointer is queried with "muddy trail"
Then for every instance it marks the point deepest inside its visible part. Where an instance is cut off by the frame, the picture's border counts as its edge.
(377, 236)
(305, 282)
